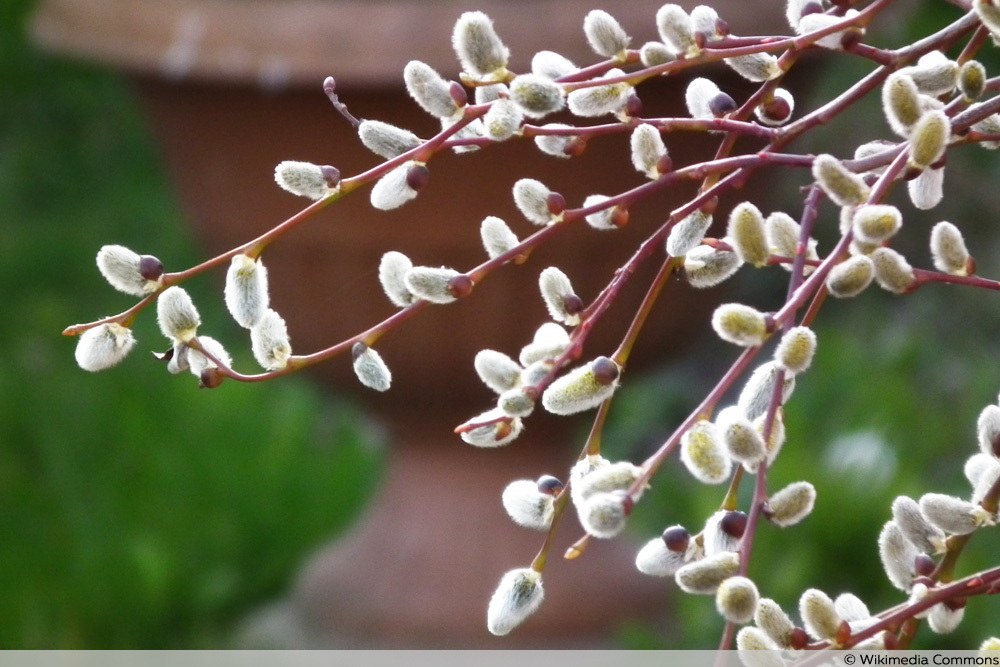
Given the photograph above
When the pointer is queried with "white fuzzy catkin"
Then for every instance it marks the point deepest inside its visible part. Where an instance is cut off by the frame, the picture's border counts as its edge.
(703, 455)
(943, 619)
(537, 95)
(755, 67)
(892, 271)
(703, 577)
(817, 21)
(901, 103)
(687, 234)
(927, 190)
(603, 219)
(676, 29)
(972, 79)
(595, 101)
(527, 506)
(582, 388)
(516, 402)
(898, 555)
(176, 315)
(718, 535)
(851, 277)
(103, 346)
(497, 237)
(746, 229)
(647, 149)
(478, 46)
(841, 185)
(755, 398)
(431, 283)
(948, 249)
(617, 476)
(556, 289)
(929, 138)
(736, 600)
(740, 324)
(657, 560)
(604, 34)
(497, 371)
(386, 140)
(198, 363)
(934, 74)
(121, 267)
(552, 65)
(756, 649)
(503, 120)
(531, 198)
(911, 521)
(742, 441)
(304, 179)
(393, 189)
(876, 223)
(269, 341)
(652, 54)
(604, 515)
(796, 349)
(392, 271)
(705, 266)
(954, 515)
(549, 342)
(245, 292)
(988, 430)
(555, 145)
(429, 89)
(778, 111)
(496, 429)
(791, 504)
(370, 369)
(818, 614)
(698, 97)
(517, 597)
(772, 619)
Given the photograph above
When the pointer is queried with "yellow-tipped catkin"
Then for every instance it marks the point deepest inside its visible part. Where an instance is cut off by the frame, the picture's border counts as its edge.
(746, 229)
(934, 74)
(503, 120)
(972, 79)
(901, 103)
(954, 515)
(176, 314)
(876, 223)
(537, 95)
(604, 34)
(948, 249)
(269, 341)
(703, 577)
(990, 644)
(850, 277)
(929, 138)
(736, 600)
(740, 324)
(841, 185)
(703, 454)
(818, 614)
(892, 271)
(756, 649)
(429, 89)
(792, 504)
(517, 597)
(478, 46)
(772, 619)
(742, 441)
(516, 402)
(989, 13)
(796, 349)
(582, 388)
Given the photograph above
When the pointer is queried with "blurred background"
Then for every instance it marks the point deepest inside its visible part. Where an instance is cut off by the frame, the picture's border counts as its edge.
(137, 511)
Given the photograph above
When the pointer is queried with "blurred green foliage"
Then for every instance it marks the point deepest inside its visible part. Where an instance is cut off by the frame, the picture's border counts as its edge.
(136, 511)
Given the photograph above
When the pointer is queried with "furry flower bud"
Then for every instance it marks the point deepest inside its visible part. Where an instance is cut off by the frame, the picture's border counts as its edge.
(549, 342)
(687, 234)
(776, 111)
(497, 371)
(306, 179)
(604, 34)
(536, 95)
(245, 292)
(841, 185)
(103, 346)
(954, 515)
(647, 150)
(736, 600)
(604, 515)
(527, 506)
(617, 476)
(399, 186)
(740, 325)
(989, 644)
(705, 266)
(944, 619)
(934, 74)
(746, 229)
(756, 395)
(898, 556)
(503, 120)
(755, 66)
(551, 65)
(704, 576)
(652, 54)
(517, 597)
(817, 21)
(532, 199)
(370, 368)
(497, 237)
(703, 454)
(583, 388)
(756, 649)
(557, 292)
(386, 140)
(892, 271)
(478, 46)
(176, 314)
(557, 145)
(676, 29)
(988, 430)
(796, 349)
(129, 272)
(596, 101)
(850, 277)
(392, 270)
(901, 103)
(704, 99)
(611, 217)
(927, 190)
(819, 614)
(915, 527)
(929, 138)
(492, 428)
(429, 89)
(989, 13)
(437, 285)
(269, 341)
(948, 250)
(663, 556)
(742, 441)
(723, 531)
(772, 619)
(204, 368)
(783, 238)
(972, 79)
(792, 504)
(876, 223)
(516, 402)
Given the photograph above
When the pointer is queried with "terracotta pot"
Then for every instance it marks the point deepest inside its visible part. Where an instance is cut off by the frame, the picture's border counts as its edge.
(419, 568)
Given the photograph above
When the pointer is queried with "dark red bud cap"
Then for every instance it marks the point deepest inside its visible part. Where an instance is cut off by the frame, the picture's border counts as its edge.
(605, 370)
(924, 565)
(722, 104)
(734, 523)
(575, 147)
(331, 175)
(797, 639)
(460, 286)
(665, 164)
(458, 94)
(549, 485)
(357, 350)
(677, 539)
(633, 105)
(572, 304)
(777, 109)
(619, 217)
(556, 203)
(417, 176)
(210, 378)
(150, 268)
